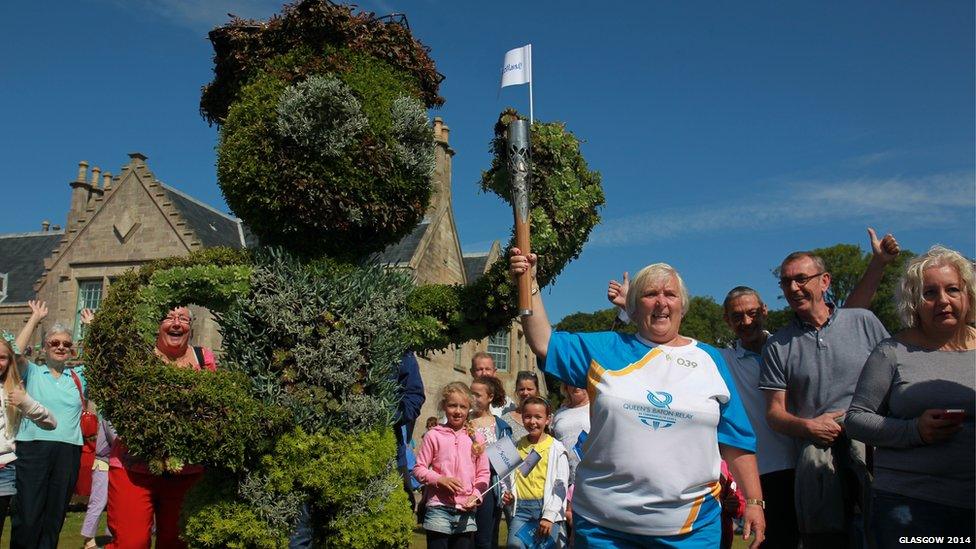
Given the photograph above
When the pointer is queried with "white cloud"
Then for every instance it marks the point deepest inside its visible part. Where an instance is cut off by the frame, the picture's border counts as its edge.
(870, 159)
(941, 200)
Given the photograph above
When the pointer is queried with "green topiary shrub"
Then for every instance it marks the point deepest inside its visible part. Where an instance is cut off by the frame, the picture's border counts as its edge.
(310, 161)
(174, 416)
(326, 152)
(321, 340)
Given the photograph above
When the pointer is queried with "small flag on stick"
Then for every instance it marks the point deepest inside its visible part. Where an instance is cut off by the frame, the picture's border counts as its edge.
(504, 457)
(517, 70)
(529, 463)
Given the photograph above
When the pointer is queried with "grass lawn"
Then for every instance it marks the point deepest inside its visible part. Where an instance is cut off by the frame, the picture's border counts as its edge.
(71, 534)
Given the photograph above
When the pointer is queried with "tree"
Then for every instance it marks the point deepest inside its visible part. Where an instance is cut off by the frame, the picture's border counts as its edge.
(597, 321)
(703, 321)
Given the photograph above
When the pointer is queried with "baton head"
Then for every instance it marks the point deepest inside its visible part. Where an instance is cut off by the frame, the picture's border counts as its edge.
(517, 147)
(517, 138)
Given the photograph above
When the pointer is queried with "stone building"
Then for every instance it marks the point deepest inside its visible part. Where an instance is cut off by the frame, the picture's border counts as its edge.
(115, 223)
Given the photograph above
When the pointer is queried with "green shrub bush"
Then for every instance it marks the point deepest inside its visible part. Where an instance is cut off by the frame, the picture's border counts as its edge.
(326, 153)
(310, 164)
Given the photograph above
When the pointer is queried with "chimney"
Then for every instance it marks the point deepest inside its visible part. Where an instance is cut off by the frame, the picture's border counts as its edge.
(45, 225)
(438, 124)
(441, 178)
(106, 181)
(95, 193)
(80, 193)
(82, 172)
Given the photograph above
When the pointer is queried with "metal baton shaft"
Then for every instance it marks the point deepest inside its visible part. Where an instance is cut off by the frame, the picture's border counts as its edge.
(517, 146)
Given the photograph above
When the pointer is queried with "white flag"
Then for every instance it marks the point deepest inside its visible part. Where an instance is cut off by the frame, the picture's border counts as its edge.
(517, 68)
(504, 457)
(530, 462)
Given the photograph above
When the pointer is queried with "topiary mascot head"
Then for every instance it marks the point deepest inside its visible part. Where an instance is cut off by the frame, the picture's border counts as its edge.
(325, 146)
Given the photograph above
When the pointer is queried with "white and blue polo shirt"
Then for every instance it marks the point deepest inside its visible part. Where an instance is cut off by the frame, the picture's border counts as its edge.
(657, 415)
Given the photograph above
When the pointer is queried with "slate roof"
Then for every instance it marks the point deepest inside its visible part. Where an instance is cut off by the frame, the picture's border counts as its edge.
(474, 265)
(403, 251)
(212, 227)
(22, 259)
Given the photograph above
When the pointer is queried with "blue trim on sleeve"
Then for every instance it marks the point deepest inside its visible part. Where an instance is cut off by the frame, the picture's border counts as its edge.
(734, 428)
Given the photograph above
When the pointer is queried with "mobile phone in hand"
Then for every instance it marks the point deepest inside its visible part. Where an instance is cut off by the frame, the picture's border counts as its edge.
(953, 414)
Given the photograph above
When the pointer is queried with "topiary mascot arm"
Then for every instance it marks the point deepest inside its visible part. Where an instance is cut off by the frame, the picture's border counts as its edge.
(564, 199)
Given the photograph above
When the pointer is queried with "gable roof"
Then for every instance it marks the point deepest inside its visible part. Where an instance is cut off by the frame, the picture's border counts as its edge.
(402, 252)
(212, 227)
(474, 265)
(22, 259)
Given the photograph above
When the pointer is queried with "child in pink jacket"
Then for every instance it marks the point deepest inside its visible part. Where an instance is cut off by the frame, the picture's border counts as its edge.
(454, 469)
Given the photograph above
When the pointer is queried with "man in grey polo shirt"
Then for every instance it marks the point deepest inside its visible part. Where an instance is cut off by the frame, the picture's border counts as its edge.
(811, 366)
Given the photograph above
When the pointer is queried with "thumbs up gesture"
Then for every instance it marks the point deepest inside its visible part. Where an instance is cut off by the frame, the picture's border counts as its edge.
(617, 291)
(17, 395)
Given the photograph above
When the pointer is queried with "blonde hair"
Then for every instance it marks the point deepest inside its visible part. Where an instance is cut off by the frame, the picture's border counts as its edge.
(11, 380)
(649, 275)
(454, 388)
(909, 293)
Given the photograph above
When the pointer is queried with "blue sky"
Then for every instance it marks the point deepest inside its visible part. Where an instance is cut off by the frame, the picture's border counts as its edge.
(727, 134)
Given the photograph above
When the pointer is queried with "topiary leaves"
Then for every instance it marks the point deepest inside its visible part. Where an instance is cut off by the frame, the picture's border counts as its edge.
(311, 162)
(172, 416)
(565, 200)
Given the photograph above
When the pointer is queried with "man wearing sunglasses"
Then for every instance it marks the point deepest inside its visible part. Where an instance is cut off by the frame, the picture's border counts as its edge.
(809, 370)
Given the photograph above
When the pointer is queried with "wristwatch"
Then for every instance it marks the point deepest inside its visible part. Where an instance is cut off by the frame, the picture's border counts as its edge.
(760, 502)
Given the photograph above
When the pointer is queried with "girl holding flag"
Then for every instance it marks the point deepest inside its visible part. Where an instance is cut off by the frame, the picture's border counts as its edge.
(538, 495)
(454, 469)
(488, 391)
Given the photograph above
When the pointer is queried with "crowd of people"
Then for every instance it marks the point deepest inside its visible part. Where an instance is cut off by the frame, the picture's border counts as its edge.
(828, 433)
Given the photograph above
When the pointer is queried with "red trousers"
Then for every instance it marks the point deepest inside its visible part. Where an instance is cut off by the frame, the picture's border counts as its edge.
(136, 499)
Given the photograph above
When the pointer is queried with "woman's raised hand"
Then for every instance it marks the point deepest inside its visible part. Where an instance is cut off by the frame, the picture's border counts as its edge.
(617, 291)
(518, 263)
(87, 316)
(38, 309)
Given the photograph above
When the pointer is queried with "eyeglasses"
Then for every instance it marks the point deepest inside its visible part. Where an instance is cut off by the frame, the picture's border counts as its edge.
(739, 317)
(182, 319)
(800, 280)
(55, 343)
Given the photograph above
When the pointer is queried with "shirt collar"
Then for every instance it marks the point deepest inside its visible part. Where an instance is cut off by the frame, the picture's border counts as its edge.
(804, 325)
(741, 352)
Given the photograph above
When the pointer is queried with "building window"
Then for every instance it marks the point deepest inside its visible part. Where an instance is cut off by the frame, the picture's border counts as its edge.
(457, 359)
(498, 349)
(89, 297)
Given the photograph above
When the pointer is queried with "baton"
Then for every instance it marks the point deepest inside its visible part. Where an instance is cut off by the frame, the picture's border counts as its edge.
(517, 146)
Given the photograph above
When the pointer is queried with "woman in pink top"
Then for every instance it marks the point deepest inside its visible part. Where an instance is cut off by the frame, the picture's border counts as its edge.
(454, 469)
